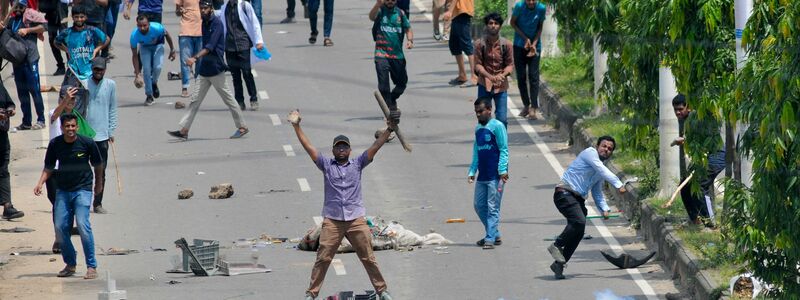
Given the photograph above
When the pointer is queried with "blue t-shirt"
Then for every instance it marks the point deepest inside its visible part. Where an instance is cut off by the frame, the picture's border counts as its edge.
(528, 20)
(151, 6)
(154, 36)
(490, 151)
(80, 45)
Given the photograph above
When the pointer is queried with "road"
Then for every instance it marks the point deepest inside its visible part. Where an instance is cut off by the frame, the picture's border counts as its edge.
(332, 87)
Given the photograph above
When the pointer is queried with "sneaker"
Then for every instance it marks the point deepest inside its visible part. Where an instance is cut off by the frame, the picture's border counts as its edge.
(56, 248)
(60, 71)
(241, 106)
(23, 127)
(445, 37)
(309, 297)
(313, 38)
(178, 134)
(524, 112)
(558, 269)
(38, 126)
(12, 213)
(287, 20)
(498, 242)
(480, 242)
(156, 92)
(254, 105)
(240, 133)
(556, 253)
(148, 101)
(385, 296)
(437, 36)
(488, 246)
(100, 210)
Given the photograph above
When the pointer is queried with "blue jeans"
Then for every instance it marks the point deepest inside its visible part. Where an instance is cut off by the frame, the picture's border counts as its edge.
(69, 206)
(26, 77)
(500, 103)
(190, 45)
(152, 57)
(257, 8)
(313, 7)
(487, 206)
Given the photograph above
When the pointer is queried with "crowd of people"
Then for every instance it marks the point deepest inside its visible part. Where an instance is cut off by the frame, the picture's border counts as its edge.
(216, 37)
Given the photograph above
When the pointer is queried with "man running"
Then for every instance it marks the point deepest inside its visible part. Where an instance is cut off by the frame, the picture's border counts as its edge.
(390, 23)
(147, 49)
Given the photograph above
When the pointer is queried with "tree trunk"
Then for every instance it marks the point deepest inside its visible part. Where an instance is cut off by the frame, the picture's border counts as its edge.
(669, 170)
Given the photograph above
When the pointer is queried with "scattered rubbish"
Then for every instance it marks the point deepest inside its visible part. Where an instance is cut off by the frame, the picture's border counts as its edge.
(199, 257)
(17, 229)
(173, 282)
(52, 259)
(609, 295)
(746, 286)
(626, 261)
(111, 292)
(157, 249)
(241, 268)
(185, 194)
(180, 105)
(295, 240)
(278, 191)
(221, 191)
(440, 250)
(384, 236)
(456, 220)
(173, 76)
(201, 173)
(118, 251)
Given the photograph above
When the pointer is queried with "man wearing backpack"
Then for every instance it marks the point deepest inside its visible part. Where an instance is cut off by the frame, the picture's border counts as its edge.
(28, 24)
(493, 63)
(242, 32)
(389, 25)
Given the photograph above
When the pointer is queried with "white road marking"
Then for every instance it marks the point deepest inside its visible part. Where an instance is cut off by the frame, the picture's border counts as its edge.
(598, 223)
(421, 7)
(288, 149)
(255, 74)
(263, 94)
(275, 119)
(304, 187)
(338, 266)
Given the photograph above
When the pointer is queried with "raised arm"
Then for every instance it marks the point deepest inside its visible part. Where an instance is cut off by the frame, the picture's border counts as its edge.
(294, 118)
(373, 13)
(373, 150)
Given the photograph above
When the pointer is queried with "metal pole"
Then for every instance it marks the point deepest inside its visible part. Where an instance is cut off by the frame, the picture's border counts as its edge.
(743, 169)
(669, 163)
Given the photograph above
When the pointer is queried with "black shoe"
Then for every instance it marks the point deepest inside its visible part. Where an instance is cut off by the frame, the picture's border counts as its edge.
(558, 269)
(178, 134)
(156, 92)
(60, 71)
(23, 127)
(12, 213)
(498, 242)
(149, 101)
(241, 106)
(287, 20)
(313, 38)
(100, 210)
(480, 242)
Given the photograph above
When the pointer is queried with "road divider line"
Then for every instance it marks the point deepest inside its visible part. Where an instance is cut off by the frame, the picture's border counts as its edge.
(255, 74)
(304, 187)
(275, 119)
(601, 227)
(263, 95)
(338, 266)
(288, 149)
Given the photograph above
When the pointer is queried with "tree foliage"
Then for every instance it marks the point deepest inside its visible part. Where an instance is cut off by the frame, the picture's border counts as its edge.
(765, 219)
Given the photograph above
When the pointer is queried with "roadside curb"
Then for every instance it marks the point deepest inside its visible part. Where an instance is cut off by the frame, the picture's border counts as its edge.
(657, 232)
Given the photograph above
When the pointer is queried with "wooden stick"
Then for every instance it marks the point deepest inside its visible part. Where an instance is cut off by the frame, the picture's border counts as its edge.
(116, 167)
(677, 191)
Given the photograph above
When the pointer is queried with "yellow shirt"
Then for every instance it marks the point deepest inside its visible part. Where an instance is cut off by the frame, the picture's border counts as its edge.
(463, 7)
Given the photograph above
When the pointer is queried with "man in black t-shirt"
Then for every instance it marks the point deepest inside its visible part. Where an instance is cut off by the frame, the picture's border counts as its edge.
(74, 180)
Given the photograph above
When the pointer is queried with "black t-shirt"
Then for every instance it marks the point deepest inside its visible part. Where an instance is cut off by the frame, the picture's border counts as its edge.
(74, 172)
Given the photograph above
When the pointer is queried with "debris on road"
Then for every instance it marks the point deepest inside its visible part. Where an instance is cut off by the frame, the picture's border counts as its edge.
(221, 191)
(173, 282)
(173, 75)
(384, 236)
(180, 105)
(200, 257)
(118, 251)
(17, 230)
(626, 261)
(185, 194)
(441, 250)
(241, 268)
(52, 259)
(456, 220)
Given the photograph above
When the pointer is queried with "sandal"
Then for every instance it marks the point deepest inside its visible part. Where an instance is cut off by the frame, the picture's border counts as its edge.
(66, 272)
(240, 133)
(313, 38)
(91, 273)
(38, 126)
(524, 112)
(56, 248)
(457, 81)
(328, 42)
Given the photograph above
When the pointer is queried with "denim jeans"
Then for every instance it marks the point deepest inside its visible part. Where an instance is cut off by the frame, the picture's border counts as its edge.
(26, 77)
(313, 7)
(112, 15)
(527, 69)
(152, 57)
(257, 7)
(190, 45)
(487, 206)
(69, 206)
(500, 103)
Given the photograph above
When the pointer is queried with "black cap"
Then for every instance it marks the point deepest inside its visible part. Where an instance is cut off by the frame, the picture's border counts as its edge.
(341, 139)
(99, 63)
(206, 3)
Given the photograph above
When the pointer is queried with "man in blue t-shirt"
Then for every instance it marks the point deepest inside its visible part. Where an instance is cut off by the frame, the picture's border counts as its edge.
(152, 9)
(81, 43)
(490, 163)
(527, 19)
(147, 48)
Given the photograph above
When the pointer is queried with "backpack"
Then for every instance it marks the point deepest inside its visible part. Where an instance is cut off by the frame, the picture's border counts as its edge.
(376, 25)
(14, 49)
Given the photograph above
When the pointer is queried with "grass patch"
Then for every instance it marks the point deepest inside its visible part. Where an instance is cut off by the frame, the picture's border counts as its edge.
(676, 209)
(567, 76)
(625, 159)
(714, 253)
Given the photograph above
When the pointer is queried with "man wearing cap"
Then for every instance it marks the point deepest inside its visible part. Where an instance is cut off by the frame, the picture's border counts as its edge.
(343, 208)
(101, 114)
(211, 73)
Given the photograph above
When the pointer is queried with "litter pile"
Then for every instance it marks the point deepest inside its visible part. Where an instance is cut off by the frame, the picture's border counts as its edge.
(385, 236)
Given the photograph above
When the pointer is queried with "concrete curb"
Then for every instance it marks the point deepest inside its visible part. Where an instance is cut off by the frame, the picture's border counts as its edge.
(657, 232)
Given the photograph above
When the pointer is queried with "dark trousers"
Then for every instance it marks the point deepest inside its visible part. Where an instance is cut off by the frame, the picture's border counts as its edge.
(53, 28)
(527, 69)
(26, 77)
(703, 205)
(103, 146)
(290, 8)
(327, 25)
(405, 6)
(111, 23)
(152, 17)
(394, 69)
(573, 208)
(239, 65)
(5, 176)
